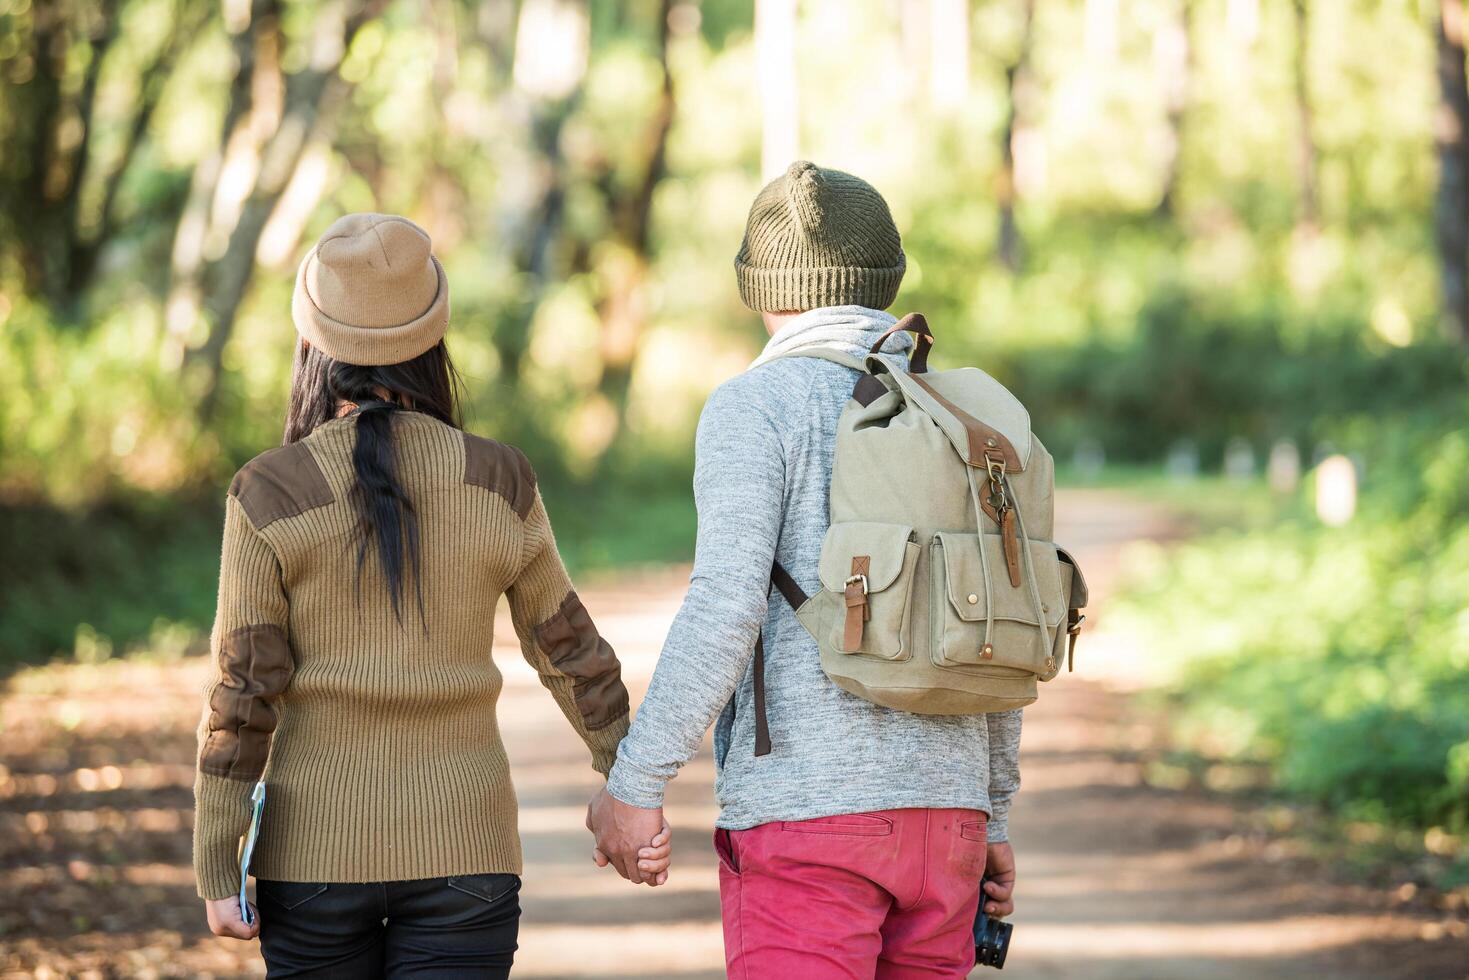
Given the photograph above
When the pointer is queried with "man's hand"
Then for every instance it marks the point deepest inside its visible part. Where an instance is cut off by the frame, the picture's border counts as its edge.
(634, 841)
(225, 920)
(999, 886)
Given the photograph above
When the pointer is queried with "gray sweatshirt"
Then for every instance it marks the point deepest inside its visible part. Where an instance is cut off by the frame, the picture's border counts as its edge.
(762, 474)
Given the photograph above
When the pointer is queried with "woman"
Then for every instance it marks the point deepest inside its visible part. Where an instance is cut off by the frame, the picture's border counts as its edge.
(361, 567)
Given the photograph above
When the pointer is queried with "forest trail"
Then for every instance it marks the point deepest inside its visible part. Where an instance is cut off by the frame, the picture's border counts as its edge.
(1117, 879)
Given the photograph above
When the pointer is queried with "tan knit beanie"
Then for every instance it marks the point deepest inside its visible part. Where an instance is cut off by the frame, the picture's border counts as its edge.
(371, 291)
(818, 237)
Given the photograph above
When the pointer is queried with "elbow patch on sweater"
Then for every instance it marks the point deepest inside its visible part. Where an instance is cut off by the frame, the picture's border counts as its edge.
(256, 665)
(571, 641)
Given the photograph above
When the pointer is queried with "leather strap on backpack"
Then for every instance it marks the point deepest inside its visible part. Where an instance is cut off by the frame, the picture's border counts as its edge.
(787, 586)
(858, 610)
(917, 324)
(762, 724)
(1074, 619)
(796, 598)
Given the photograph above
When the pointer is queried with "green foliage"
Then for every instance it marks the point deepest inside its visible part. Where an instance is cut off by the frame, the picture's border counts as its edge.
(624, 520)
(131, 576)
(1196, 370)
(91, 414)
(1337, 657)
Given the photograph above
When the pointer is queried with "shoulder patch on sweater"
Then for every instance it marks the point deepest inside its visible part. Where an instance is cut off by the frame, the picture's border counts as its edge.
(500, 469)
(281, 483)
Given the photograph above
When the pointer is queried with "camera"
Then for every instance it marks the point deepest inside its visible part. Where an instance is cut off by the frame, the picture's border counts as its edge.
(991, 937)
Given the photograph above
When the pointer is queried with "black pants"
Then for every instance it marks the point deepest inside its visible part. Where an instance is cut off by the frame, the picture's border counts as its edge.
(464, 926)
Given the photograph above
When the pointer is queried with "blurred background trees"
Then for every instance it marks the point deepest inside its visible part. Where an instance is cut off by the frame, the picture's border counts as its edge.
(1172, 226)
(1071, 175)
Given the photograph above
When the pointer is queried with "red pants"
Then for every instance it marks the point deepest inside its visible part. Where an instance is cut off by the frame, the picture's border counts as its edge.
(888, 895)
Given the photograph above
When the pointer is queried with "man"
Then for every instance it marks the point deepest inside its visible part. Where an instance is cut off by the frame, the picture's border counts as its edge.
(855, 848)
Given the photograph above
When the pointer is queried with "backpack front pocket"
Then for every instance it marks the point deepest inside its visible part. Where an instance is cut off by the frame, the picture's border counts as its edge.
(869, 568)
(965, 599)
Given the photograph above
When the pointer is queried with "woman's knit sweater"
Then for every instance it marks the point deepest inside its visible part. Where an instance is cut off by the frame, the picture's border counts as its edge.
(378, 741)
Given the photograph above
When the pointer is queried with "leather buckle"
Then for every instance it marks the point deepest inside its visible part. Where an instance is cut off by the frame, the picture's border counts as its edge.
(1073, 630)
(857, 580)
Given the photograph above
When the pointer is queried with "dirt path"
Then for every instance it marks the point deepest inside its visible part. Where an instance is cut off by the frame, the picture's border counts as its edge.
(1118, 879)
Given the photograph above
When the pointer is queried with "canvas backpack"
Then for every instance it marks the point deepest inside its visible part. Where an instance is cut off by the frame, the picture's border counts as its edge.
(942, 592)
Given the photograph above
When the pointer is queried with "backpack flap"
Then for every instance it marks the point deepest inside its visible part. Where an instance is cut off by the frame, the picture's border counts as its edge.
(870, 567)
(977, 414)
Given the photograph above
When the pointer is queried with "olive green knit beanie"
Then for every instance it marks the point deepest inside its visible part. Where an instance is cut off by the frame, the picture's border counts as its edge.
(818, 237)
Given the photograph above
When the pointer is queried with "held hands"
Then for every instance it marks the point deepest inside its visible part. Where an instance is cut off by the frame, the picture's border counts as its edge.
(635, 841)
(999, 887)
(224, 919)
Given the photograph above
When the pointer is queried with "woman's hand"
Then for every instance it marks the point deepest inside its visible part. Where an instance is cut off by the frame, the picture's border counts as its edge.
(225, 920)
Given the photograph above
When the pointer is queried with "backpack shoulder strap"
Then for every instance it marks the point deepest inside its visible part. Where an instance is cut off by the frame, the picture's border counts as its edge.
(787, 585)
(797, 598)
(827, 354)
(914, 323)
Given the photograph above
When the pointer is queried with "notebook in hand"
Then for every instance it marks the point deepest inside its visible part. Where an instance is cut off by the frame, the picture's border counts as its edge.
(257, 807)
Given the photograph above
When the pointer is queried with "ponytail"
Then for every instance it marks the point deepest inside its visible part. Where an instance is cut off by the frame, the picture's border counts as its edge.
(386, 520)
(387, 523)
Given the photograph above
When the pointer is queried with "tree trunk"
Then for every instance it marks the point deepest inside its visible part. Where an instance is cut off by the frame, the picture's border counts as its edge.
(624, 306)
(1010, 247)
(1102, 22)
(948, 77)
(41, 97)
(44, 209)
(60, 291)
(194, 224)
(88, 244)
(535, 231)
(311, 99)
(1242, 20)
(545, 104)
(494, 26)
(1175, 56)
(911, 70)
(1308, 209)
(775, 69)
(1451, 210)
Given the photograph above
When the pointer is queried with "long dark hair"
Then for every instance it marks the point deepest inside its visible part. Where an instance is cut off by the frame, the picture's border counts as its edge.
(385, 515)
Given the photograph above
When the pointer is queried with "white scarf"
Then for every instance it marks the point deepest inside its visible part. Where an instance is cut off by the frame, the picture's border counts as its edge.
(851, 329)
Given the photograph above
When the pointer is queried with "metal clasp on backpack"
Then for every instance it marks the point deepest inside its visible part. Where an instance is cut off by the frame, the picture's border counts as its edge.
(856, 580)
(997, 497)
(996, 468)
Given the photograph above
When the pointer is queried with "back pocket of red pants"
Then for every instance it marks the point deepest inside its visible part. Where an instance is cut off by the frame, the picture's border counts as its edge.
(846, 824)
(976, 830)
